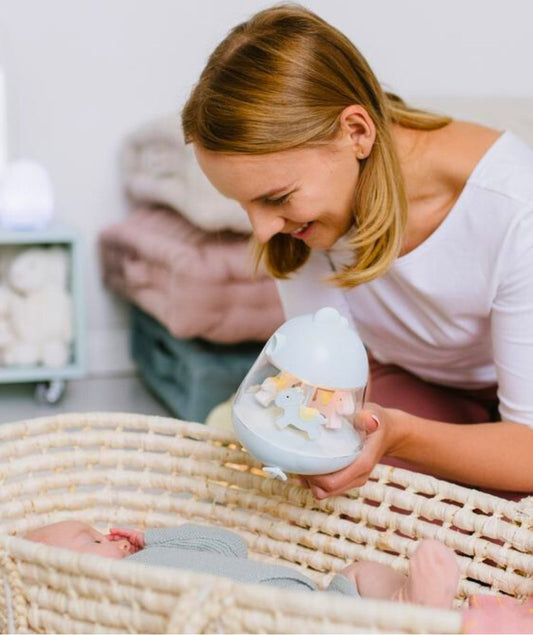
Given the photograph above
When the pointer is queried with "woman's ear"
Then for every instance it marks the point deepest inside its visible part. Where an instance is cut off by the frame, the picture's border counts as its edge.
(358, 128)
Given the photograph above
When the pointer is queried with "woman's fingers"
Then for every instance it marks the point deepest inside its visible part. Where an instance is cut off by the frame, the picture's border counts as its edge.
(371, 423)
(366, 421)
(325, 484)
(303, 481)
(355, 475)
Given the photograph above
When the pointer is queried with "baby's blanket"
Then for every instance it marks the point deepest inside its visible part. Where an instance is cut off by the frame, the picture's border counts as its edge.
(159, 169)
(197, 284)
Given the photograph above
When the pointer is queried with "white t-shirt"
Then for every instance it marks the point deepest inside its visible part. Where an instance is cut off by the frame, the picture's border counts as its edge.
(458, 309)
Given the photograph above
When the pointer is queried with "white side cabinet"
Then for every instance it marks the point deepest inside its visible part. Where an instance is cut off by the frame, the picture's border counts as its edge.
(51, 381)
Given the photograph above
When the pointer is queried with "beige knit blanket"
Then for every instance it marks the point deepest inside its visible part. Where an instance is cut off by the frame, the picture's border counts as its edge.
(158, 168)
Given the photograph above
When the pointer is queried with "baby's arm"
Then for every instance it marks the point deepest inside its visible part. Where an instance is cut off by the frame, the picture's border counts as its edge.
(133, 536)
(187, 536)
(197, 538)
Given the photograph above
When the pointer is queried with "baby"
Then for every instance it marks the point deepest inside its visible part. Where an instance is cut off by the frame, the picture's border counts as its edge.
(432, 579)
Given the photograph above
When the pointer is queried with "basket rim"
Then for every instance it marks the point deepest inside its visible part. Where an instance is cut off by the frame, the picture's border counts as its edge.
(164, 580)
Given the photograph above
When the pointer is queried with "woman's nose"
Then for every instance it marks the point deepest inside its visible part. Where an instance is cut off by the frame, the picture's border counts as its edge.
(265, 224)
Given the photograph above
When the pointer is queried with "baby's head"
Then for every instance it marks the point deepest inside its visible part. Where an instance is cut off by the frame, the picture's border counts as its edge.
(77, 536)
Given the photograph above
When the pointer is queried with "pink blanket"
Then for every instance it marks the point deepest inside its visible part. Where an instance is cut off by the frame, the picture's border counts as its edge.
(197, 284)
(498, 614)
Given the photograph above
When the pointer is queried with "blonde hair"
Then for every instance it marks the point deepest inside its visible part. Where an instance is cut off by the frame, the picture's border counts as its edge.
(280, 81)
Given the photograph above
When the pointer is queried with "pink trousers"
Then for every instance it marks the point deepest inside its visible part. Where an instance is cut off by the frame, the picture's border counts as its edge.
(394, 387)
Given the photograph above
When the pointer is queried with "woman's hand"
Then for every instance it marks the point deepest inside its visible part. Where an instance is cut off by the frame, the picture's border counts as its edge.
(376, 425)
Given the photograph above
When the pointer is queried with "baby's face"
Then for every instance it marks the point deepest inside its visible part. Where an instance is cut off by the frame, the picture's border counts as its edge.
(81, 537)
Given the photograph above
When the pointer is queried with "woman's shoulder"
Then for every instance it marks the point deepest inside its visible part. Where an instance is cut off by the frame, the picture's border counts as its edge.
(465, 144)
(473, 131)
(494, 160)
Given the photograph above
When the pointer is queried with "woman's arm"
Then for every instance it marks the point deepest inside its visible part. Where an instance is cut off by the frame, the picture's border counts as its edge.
(490, 455)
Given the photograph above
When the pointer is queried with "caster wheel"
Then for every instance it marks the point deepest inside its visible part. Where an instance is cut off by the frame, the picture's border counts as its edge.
(50, 392)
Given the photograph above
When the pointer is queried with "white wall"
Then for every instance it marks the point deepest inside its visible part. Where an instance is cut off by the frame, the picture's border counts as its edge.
(82, 73)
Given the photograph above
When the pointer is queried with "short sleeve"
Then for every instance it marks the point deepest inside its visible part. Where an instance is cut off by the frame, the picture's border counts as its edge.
(512, 323)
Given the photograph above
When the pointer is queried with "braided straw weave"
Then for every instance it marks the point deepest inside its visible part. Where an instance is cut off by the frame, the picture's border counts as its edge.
(122, 469)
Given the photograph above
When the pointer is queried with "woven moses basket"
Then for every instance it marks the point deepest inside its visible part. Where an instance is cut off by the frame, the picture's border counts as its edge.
(116, 469)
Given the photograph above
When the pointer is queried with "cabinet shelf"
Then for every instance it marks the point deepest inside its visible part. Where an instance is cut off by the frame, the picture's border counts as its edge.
(60, 234)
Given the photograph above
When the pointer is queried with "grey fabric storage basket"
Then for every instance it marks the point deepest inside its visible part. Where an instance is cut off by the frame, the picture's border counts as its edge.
(190, 376)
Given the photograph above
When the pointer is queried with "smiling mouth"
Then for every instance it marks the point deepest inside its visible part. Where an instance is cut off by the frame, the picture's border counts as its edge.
(302, 230)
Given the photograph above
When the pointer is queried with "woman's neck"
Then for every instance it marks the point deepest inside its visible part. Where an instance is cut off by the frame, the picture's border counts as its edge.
(436, 165)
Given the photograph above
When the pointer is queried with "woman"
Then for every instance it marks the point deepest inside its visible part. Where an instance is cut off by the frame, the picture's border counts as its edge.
(416, 226)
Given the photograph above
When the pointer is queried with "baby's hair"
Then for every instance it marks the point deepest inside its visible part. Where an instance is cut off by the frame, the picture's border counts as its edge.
(280, 81)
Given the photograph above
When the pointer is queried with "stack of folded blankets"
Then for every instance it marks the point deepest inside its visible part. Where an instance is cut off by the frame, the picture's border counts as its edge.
(182, 257)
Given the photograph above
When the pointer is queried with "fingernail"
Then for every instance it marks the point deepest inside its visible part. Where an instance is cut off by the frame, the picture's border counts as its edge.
(375, 417)
(318, 492)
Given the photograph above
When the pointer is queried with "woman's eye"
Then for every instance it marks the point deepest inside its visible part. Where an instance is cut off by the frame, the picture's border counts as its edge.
(277, 201)
(98, 541)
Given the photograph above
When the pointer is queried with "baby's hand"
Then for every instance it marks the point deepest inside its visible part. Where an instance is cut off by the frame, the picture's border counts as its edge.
(133, 536)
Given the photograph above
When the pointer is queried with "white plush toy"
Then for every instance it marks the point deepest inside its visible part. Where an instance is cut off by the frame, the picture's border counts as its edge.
(6, 297)
(40, 311)
(38, 268)
(6, 332)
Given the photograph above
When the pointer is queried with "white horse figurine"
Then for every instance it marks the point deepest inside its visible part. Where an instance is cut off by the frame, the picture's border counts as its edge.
(307, 419)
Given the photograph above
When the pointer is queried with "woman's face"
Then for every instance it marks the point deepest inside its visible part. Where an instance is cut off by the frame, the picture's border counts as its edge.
(306, 193)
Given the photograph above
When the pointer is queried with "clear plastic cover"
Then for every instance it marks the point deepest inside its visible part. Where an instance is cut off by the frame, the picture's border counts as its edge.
(299, 427)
